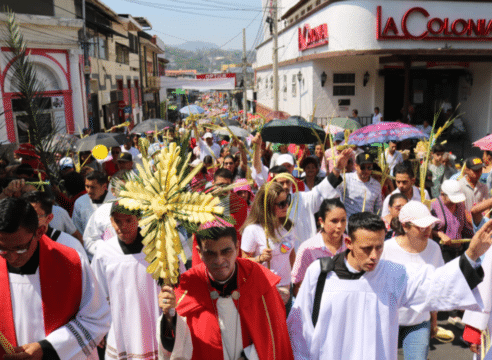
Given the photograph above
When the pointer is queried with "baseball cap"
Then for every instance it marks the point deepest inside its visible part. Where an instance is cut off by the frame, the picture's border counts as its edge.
(453, 191)
(474, 163)
(364, 158)
(208, 135)
(416, 213)
(66, 163)
(153, 148)
(339, 136)
(125, 156)
(285, 158)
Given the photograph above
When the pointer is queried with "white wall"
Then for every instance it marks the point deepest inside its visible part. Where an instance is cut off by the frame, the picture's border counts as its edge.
(476, 106)
(352, 26)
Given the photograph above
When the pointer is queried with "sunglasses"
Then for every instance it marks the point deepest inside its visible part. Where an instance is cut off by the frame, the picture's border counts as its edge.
(283, 204)
(365, 167)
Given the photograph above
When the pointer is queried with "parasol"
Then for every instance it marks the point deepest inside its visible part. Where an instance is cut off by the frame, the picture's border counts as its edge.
(191, 109)
(107, 139)
(485, 144)
(384, 132)
(294, 130)
(151, 125)
(345, 123)
(239, 132)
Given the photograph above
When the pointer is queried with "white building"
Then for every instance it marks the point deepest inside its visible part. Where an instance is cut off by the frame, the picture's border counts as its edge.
(381, 53)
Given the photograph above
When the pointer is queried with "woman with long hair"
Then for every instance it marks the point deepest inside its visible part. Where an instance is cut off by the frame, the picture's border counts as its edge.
(267, 236)
(412, 248)
(328, 242)
(396, 202)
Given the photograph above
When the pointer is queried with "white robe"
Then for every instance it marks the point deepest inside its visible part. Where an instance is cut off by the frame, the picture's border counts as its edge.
(358, 319)
(98, 228)
(232, 341)
(482, 320)
(75, 340)
(133, 297)
(71, 242)
(62, 220)
(84, 208)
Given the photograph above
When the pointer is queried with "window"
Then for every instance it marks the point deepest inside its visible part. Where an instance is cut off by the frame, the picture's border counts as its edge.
(343, 85)
(309, 8)
(284, 87)
(102, 47)
(294, 85)
(122, 54)
(98, 44)
(271, 82)
(133, 43)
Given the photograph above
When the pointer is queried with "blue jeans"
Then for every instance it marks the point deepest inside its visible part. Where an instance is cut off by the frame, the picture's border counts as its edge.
(415, 341)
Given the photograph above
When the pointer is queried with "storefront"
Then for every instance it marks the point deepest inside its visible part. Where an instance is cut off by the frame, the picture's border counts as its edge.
(405, 58)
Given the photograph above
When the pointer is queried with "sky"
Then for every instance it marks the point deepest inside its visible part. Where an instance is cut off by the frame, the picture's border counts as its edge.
(215, 21)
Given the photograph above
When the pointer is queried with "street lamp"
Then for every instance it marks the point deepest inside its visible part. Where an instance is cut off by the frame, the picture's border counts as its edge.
(299, 78)
(324, 77)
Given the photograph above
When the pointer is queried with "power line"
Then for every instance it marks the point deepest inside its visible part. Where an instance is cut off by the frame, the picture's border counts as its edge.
(163, 7)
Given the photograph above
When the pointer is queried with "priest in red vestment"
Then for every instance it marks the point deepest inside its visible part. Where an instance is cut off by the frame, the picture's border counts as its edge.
(238, 208)
(51, 305)
(227, 308)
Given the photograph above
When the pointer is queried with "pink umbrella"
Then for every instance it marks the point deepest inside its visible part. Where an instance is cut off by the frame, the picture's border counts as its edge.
(333, 129)
(384, 132)
(485, 143)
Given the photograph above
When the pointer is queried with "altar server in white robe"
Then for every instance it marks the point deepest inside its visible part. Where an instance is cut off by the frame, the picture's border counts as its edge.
(96, 185)
(120, 266)
(358, 309)
(51, 305)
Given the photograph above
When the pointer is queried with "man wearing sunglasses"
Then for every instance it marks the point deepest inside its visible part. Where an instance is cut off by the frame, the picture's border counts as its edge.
(359, 191)
(51, 305)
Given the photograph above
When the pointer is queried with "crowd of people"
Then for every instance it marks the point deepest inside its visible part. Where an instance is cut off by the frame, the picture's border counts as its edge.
(325, 258)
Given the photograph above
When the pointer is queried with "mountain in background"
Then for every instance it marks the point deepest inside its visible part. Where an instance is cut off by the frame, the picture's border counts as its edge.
(204, 58)
(196, 45)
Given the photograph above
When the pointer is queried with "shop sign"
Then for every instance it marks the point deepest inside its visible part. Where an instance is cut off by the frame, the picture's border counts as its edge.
(432, 27)
(311, 38)
(217, 76)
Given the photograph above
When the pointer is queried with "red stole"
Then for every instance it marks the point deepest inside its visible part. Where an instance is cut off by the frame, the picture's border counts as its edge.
(258, 297)
(60, 275)
(239, 212)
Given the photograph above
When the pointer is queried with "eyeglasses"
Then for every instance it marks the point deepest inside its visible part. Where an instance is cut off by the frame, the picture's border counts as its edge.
(283, 204)
(18, 251)
(228, 163)
(365, 167)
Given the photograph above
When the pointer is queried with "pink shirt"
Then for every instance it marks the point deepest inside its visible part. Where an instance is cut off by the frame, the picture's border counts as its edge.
(309, 251)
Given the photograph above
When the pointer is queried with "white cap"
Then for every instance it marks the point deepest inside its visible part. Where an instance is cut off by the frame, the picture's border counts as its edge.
(453, 191)
(208, 135)
(416, 213)
(195, 162)
(285, 158)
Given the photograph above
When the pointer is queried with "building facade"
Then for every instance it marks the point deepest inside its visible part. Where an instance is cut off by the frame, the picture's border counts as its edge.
(406, 58)
(51, 31)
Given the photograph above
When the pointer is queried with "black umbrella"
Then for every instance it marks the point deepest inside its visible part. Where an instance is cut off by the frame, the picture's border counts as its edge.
(294, 130)
(107, 139)
(229, 122)
(151, 125)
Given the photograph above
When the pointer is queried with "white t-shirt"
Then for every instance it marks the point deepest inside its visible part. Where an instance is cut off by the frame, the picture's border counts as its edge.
(62, 220)
(413, 263)
(393, 160)
(377, 118)
(254, 241)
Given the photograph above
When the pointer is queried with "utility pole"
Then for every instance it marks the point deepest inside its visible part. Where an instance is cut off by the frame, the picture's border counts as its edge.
(87, 75)
(245, 100)
(275, 55)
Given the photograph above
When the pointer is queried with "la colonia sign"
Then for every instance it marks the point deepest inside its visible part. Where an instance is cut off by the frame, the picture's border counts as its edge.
(432, 27)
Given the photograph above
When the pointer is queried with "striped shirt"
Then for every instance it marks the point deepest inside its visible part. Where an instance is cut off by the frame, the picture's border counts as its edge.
(353, 193)
(308, 252)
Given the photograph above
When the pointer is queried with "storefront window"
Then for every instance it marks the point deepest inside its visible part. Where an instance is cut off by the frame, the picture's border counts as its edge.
(294, 85)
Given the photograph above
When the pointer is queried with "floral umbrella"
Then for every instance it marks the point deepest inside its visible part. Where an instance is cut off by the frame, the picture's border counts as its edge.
(384, 132)
(485, 143)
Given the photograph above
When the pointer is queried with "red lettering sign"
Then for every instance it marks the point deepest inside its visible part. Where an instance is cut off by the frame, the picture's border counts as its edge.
(311, 38)
(433, 28)
(217, 76)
